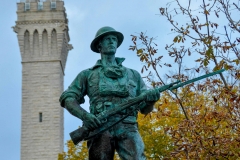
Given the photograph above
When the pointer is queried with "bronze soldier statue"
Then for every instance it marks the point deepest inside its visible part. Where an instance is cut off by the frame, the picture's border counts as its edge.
(107, 84)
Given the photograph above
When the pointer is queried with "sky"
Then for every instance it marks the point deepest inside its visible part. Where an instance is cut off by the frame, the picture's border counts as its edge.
(85, 18)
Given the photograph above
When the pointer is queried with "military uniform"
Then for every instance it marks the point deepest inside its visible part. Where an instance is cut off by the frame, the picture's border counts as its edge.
(107, 84)
(107, 87)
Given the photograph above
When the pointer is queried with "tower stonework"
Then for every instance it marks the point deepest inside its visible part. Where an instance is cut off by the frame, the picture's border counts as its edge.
(42, 33)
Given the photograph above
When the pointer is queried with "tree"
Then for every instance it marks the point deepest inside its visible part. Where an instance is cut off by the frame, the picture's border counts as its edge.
(210, 127)
(201, 120)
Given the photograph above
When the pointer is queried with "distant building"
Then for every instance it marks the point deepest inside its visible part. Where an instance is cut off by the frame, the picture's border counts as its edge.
(42, 32)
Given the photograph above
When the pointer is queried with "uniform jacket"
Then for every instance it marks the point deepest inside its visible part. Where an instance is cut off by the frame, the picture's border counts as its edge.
(105, 87)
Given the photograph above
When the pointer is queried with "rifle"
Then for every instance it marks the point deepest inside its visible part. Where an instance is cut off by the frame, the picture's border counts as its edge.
(83, 133)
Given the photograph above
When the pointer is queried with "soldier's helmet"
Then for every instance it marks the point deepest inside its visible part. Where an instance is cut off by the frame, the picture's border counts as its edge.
(102, 32)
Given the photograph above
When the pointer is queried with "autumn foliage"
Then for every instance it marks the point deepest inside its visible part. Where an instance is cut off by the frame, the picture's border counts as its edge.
(201, 120)
(211, 132)
(79, 152)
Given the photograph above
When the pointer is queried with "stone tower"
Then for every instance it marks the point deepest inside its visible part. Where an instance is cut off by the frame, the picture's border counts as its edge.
(42, 33)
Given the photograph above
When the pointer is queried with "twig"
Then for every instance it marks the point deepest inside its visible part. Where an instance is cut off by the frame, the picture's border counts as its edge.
(232, 46)
(214, 58)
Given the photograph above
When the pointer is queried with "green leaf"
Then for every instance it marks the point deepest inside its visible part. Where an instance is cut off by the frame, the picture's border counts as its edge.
(216, 68)
(209, 52)
(175, 39)
(205, 62)
(179, 40)
(236, 61)
(227, 67)
(139, 51)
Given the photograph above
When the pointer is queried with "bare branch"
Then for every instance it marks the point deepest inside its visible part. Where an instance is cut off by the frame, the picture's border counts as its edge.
(232, 46)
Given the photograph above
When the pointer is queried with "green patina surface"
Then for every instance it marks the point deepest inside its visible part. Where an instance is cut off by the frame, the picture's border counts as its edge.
(107, 84)
(102, 89)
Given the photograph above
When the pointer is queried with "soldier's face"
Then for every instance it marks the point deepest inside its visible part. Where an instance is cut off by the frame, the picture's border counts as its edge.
(109, 44)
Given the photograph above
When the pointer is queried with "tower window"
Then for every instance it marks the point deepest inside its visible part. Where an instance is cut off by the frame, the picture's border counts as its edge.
(40, 117)
(53, 5)
(40, 5)
(27, 6)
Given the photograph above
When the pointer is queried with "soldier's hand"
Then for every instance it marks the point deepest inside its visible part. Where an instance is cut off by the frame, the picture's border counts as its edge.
(153, 95)
(91, 121)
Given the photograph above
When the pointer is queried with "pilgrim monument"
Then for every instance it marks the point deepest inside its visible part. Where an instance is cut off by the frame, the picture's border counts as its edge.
(42, 32)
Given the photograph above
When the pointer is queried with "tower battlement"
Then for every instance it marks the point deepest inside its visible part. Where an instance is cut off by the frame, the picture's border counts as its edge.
(42, 33)
(30, 8)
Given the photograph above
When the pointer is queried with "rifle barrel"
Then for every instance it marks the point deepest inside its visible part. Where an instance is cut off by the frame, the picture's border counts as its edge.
(196, 79)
